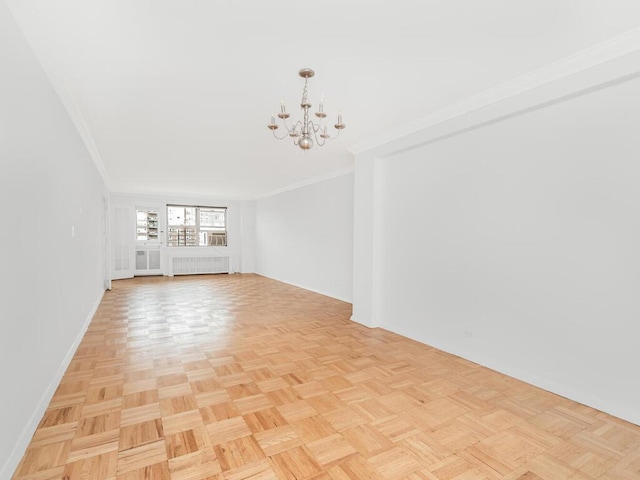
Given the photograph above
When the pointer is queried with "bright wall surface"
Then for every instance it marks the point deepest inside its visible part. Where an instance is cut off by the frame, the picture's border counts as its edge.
(248, 236)
(515, 245)
(51, 236)
(305, 237)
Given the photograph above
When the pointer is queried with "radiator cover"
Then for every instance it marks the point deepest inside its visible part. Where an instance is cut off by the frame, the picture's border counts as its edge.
(199, 265)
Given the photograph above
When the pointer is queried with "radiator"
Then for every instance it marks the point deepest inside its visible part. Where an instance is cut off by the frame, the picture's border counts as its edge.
(196, 265)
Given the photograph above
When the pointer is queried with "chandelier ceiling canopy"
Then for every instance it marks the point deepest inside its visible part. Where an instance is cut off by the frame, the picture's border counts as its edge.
(305, 132)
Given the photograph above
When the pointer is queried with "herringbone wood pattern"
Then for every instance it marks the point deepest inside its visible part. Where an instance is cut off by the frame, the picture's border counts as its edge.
(241, 377)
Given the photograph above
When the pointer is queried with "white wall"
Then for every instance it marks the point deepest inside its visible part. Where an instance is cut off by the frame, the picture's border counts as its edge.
(305, 237)
(51, 280)
(248, 236)
(515, 245)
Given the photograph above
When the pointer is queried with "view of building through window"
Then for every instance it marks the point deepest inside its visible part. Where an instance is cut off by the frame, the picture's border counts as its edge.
(146, 225)
(196, 226)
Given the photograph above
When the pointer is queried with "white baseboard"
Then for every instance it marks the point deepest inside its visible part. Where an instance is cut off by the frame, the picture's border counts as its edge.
(23, 441)
(304, 287)
(530, 377)
(355, 320)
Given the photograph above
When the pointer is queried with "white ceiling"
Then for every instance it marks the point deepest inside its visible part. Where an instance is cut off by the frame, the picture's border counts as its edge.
(173, 96)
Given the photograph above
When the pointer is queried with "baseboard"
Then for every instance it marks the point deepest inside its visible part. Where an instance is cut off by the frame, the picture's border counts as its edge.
(355, 320)
(576, 395)
(22, 443)
(304, 287)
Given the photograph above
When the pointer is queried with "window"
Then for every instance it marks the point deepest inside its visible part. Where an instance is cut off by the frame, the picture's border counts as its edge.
(146, 224)
(191, 226)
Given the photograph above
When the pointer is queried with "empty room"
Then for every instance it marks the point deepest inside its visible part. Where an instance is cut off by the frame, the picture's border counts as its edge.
(350, 240)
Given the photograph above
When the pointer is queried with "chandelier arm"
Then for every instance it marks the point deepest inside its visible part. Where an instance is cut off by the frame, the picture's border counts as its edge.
(326, 136)
(282, 137)
(296, 127)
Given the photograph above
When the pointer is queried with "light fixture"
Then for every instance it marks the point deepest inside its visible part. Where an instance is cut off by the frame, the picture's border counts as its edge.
(306, 131)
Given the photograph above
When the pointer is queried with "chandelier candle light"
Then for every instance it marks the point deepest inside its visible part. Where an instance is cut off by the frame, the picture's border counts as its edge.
(306, 131)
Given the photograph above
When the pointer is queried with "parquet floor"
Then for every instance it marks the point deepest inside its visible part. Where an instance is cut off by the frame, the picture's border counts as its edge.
(241, 377)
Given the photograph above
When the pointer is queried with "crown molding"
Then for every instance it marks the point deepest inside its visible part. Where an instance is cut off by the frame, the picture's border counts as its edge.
(584, 60)
(65, 97)
(308, 181)
(79, 122)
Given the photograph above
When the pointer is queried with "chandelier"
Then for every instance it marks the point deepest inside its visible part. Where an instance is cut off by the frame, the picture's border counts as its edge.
(304, 132)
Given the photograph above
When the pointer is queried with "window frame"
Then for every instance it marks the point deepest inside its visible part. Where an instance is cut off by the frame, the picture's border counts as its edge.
(197, 227)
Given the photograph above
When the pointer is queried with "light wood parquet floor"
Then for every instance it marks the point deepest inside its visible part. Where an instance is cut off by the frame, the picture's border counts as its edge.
(238, 377)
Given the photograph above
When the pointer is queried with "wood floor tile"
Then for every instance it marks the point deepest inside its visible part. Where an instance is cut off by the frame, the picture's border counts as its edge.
(266, 419)
(54, 473)
(296, 463)
(143, 413)
(64, 432)
(98, 424)
(235, 453)
(367, 440)
(330, 450)
(99, 466)
(101, 408)
(426, 448)
(252, 403)
(297, 410)
(200, 465)
(260, 470)
(239, 377)
(97, 394)
(41, 459)
(277, 440)
(142, 456)
(92, 445)
(140, 398)
(395, 463)
(355, 467)
(157, 471)
(60, 416)
(140, 434)
(182, 421)
(226, 430)
(187, 441)
(178, 404)
(343, 418)
(395, 428)
(313, 428)
(210, 398)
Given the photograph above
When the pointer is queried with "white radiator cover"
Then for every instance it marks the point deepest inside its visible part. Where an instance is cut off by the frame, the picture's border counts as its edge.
(199, 264)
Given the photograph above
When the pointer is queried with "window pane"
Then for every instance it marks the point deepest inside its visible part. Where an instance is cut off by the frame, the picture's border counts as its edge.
(146, 224)
(182, 236)
(196, 226)
(173, 236)
(211, 238)
(141, 217)
(190, 216)
(175, 215)
(181, 216)
(211, 217)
